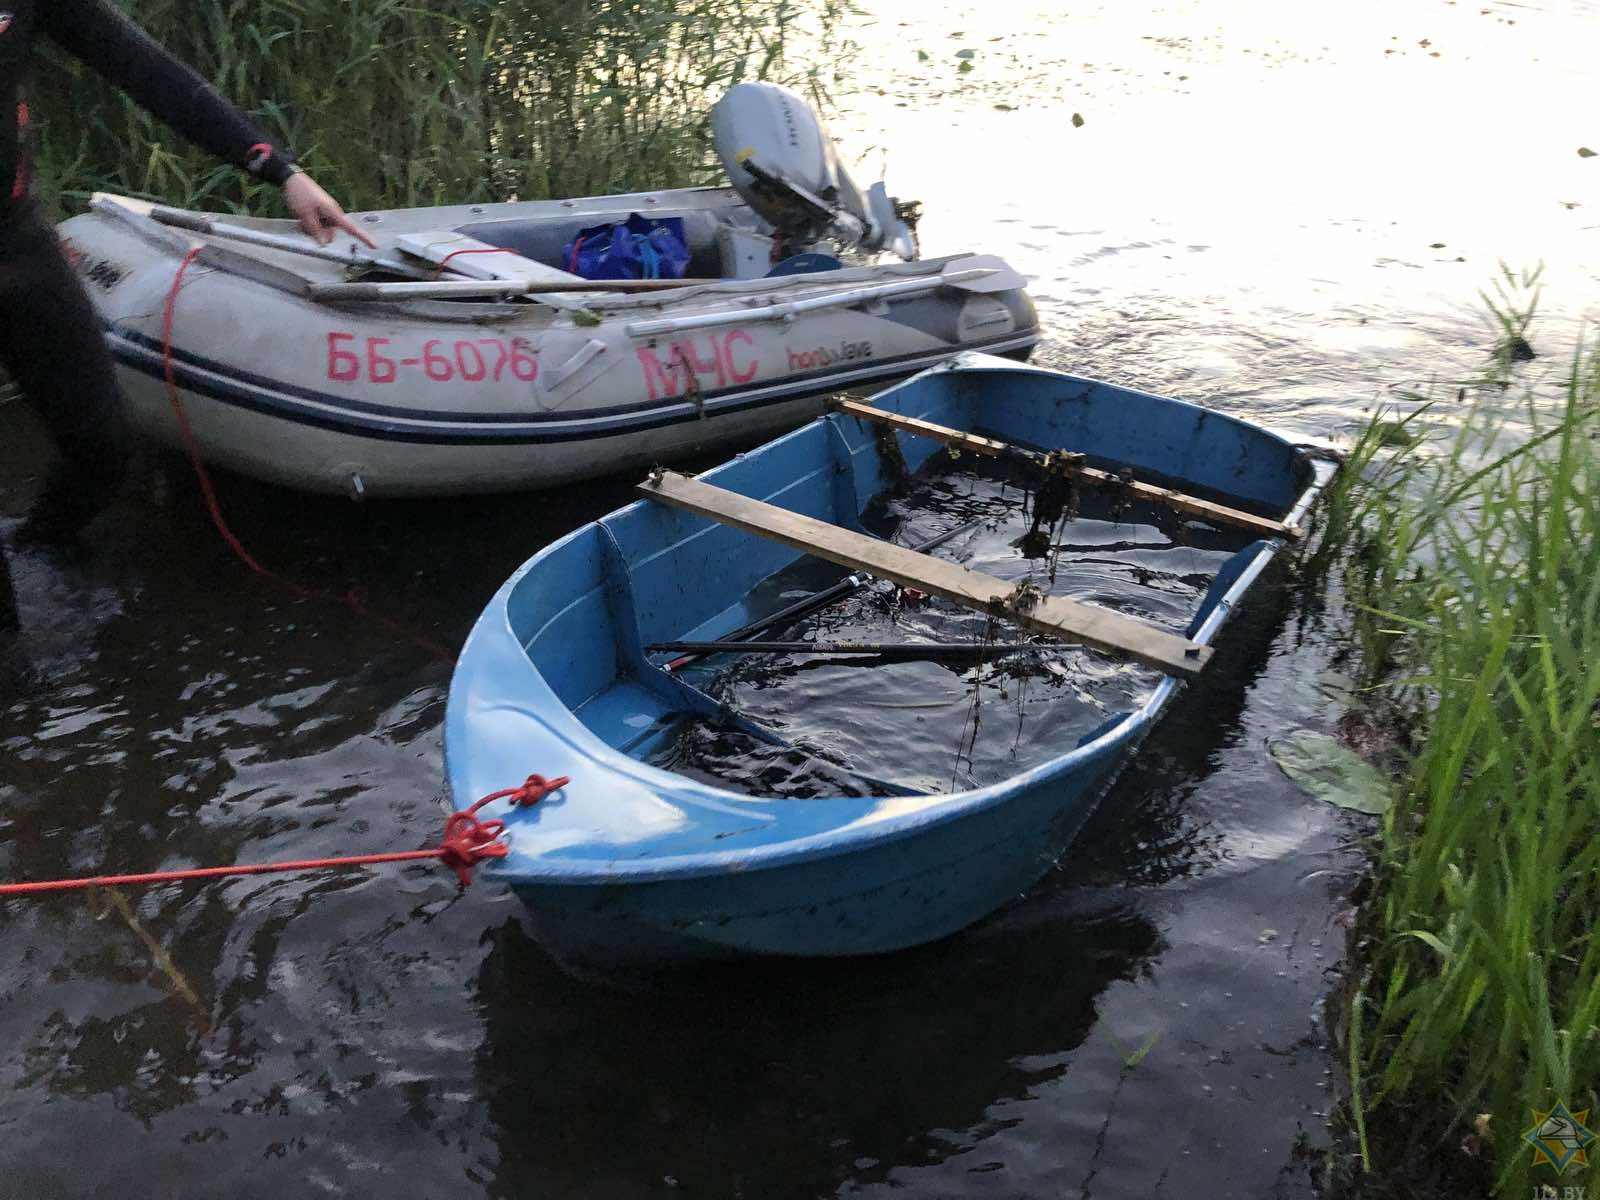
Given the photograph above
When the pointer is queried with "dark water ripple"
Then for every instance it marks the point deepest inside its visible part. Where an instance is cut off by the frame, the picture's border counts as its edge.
(1246, 218)
(381, 1035)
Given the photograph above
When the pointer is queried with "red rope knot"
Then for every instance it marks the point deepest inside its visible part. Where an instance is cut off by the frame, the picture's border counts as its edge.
(529, 792)
(536, 787)
(468, 841)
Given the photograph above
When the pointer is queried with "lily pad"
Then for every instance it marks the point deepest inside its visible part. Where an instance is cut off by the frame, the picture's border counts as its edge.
(1330, 772)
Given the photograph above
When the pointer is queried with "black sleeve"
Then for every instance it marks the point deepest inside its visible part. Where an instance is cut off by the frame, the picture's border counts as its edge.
(126, 56)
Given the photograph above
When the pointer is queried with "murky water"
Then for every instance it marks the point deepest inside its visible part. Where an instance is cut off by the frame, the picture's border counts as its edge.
(1282, 212)
(948, 722)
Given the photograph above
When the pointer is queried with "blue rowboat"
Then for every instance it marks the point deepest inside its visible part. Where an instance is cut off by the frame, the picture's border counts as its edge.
(631, 865)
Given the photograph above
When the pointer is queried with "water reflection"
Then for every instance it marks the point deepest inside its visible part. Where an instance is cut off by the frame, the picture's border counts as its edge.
(1146, 831)
(785, 1080)
(795, 1079)
(1247, 217)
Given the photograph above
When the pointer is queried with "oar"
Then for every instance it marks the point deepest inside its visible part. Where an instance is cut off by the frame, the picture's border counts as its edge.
(446, 289)
(975, 273)
(880, 649)
(353, 256)
(805, 606)
(972, 273)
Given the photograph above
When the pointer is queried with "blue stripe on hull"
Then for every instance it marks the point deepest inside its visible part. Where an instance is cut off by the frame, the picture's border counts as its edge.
(303, 406)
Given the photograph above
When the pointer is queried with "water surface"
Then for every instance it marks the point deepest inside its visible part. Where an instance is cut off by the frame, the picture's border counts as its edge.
(1283, 212)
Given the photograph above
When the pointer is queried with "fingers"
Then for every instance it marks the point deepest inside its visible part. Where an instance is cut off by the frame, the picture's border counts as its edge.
(319, 213)
(311, 224)
(354, 230)
(323, 218)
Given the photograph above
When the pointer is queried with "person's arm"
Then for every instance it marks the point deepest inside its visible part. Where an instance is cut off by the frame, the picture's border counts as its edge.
(122, 53)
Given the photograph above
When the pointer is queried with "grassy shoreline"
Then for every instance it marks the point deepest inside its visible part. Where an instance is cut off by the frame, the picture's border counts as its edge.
(394, 104)
(1472, 998)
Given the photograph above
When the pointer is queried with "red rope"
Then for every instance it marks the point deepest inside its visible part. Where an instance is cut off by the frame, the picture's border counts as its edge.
(467, 841)
(350, 600)
(445, 261)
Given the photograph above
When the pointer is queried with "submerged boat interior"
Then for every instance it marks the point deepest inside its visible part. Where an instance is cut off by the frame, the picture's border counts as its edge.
(798, 723)
(948, 720)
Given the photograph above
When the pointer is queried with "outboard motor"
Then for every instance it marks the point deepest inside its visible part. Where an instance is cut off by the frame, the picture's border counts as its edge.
(778, 157)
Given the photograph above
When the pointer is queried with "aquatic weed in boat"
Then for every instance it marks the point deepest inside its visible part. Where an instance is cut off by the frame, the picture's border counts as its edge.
(921, 724)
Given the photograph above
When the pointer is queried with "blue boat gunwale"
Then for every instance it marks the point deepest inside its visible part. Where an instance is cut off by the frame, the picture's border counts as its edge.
(884, 819)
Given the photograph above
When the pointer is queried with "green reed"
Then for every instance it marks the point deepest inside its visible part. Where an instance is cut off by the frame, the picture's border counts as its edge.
(399, 102)
(1474, 568)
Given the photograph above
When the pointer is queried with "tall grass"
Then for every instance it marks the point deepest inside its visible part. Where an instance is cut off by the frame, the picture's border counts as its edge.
(1475, 570)
(408, 102)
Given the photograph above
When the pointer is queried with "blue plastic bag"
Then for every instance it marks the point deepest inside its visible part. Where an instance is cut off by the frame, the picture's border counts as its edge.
(638, 248)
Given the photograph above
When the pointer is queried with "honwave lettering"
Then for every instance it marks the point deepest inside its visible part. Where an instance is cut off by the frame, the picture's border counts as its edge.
(827, 356)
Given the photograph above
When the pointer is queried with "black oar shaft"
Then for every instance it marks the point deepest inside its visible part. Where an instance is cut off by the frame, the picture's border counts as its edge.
(805, 606)
(802, 607)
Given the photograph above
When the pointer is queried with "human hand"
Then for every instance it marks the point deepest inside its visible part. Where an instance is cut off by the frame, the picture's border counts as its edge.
(319, 214)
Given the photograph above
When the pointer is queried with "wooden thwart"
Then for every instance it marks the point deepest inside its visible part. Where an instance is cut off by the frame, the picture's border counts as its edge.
(1205, 509)
(1097, 627)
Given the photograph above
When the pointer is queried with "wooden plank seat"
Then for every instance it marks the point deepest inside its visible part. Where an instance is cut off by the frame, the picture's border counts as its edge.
(1100, 628)
(1072, 466)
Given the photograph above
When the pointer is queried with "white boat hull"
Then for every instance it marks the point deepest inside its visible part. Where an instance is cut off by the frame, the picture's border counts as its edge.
(431, 397)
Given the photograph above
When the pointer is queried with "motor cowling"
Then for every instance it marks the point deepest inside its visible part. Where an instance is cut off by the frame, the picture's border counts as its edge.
(780, 159)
